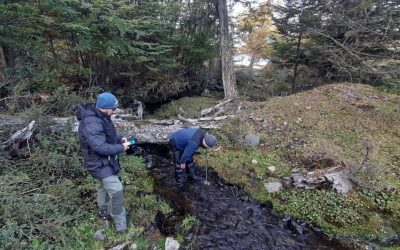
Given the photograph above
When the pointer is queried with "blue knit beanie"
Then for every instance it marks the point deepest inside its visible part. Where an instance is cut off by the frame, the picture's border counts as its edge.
(210, 140)
(106, 100)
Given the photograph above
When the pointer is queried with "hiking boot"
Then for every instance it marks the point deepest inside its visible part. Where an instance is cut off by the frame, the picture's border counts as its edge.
(179, 178)
(103, 214)
(121, 227)
(191, 172)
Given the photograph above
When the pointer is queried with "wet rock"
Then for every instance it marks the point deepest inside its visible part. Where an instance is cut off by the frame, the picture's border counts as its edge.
(149, 163)
(340, 183)
(251, 140)
(295, 225)
(308, 181)
(287, 183)
(171, 244)
(323, 177)
(99, 235)
(273, 187)
(244, 198)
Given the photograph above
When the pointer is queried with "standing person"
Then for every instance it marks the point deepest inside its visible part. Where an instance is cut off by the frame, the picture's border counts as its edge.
(100, 145)
(184, 143)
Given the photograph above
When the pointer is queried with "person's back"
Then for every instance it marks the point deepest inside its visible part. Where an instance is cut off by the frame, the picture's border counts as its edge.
(185, 136)
(184, 143)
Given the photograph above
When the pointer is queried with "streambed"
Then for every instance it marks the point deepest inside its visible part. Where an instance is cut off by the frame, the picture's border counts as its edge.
(229, 218)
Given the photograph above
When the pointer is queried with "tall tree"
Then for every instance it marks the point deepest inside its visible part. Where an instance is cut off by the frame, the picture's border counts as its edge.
(292, 20)
(228, 74)
(344, 40)
(256, 31)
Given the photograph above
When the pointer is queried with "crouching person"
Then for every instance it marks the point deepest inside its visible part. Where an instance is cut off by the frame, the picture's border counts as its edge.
(100, 145)
(184, 143)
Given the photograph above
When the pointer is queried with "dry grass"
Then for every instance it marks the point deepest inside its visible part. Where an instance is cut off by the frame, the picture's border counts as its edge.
(349, 123)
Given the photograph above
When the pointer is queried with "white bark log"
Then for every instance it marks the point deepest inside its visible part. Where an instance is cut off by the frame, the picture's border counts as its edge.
(217, 107)
(147, 131)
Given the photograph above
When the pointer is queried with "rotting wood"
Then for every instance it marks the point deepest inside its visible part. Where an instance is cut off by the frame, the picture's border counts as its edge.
(147, 131)
(120, 246)
(217, 108)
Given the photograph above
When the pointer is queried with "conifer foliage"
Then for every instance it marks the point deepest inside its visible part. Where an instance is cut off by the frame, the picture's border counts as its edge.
(144, 47)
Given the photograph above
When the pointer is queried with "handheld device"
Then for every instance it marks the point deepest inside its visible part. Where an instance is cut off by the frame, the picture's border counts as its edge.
(131, 141)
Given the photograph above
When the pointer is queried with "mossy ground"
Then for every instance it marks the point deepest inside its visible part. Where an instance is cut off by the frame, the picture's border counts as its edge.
(48, 200)
(355, 126)
(189, 107)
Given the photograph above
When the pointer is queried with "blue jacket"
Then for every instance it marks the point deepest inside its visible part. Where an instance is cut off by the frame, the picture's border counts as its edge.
(99, 142)
(187, 140)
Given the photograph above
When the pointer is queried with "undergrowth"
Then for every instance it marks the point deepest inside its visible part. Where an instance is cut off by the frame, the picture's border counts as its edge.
(48, 199)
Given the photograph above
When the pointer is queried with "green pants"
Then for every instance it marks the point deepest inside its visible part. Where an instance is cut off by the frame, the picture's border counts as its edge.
(110, 197)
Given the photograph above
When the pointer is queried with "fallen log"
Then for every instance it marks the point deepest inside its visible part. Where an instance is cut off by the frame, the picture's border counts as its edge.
(217, 108)
(19, 138)
(147, 131)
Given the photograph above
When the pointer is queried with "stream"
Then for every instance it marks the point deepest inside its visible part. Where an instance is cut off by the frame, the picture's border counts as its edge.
(229, 218)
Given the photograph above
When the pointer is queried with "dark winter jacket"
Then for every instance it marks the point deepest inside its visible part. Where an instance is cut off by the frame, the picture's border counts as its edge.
(99, 142)
(187, 140)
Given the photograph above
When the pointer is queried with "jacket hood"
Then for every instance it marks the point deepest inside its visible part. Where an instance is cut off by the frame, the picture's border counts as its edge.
(86, 110)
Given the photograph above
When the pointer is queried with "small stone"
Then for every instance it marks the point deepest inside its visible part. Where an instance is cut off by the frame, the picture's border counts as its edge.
(285, 123)
(171, 244)
(295, 170)
(251, 140)
(254, 161)
(272, 168)
(273, 187)
(99, 235)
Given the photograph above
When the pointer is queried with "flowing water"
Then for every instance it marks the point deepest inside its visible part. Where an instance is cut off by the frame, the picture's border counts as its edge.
(229, 218)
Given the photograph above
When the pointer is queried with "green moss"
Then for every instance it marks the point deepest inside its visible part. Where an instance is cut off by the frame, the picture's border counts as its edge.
(393, 180)
(236, 165)
(189, 107)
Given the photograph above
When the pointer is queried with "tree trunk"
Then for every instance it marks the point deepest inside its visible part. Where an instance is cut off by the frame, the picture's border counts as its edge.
(228, 74)
(251, 65)
(2, 63)
(9, 55)
(296, 63)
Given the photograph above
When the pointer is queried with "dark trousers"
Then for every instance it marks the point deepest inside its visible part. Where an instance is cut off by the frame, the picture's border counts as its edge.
(176, 155)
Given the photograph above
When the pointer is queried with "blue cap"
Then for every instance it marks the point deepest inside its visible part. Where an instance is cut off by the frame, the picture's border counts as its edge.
(106, 100)
(210, 140)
